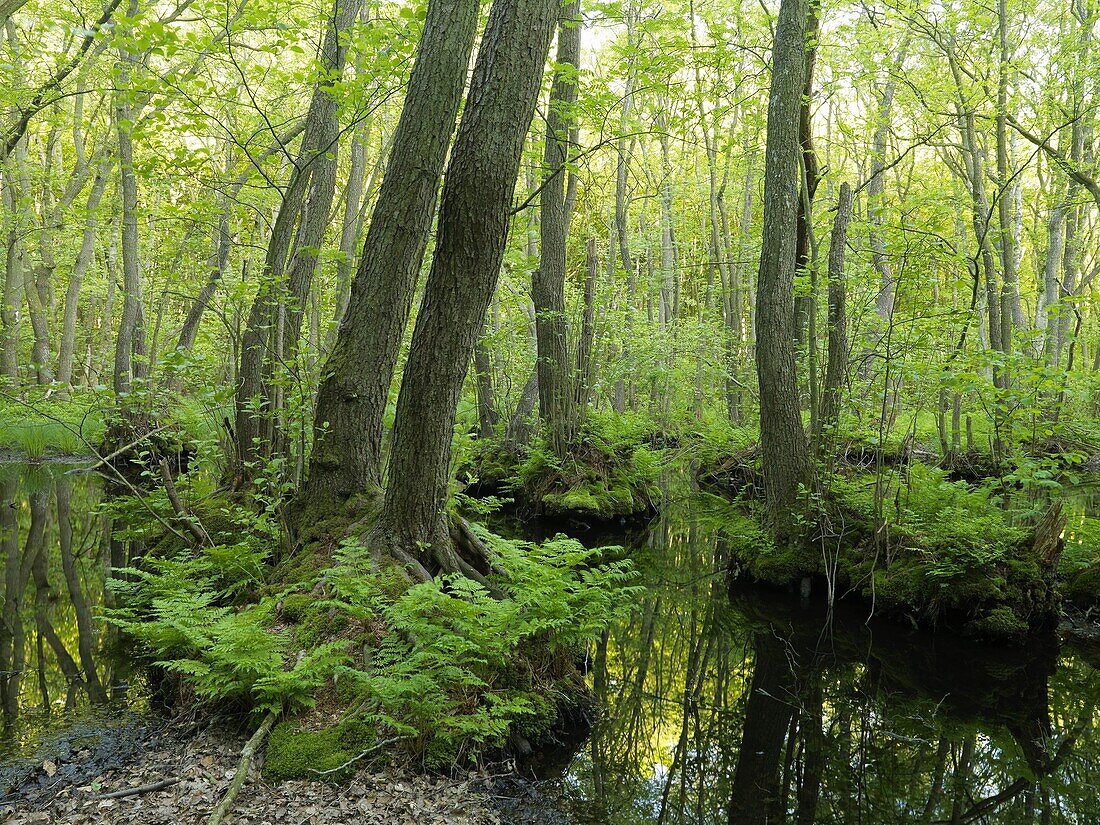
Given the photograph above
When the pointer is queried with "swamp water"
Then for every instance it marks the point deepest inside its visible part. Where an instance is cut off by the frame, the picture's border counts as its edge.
(740, 706)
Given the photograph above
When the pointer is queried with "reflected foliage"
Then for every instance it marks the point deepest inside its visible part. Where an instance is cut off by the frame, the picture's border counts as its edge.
(749, 706)
(57, 552)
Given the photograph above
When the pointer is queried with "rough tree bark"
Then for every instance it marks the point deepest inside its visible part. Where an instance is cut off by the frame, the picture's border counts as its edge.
(473, 229)
(782, 437)
(351, 402)
(548, 281)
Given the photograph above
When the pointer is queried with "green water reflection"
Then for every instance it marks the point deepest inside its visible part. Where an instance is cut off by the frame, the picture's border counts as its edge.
(57, 551)
(748, 707)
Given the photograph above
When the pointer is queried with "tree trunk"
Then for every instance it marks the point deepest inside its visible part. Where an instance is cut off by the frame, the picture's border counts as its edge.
(809, 166)
(473, 230)
(586, 339)
(13, 274)
(836, 371)
(782, 437)
(548, 281)
(354, 391)
(130, 343)
(84, 259)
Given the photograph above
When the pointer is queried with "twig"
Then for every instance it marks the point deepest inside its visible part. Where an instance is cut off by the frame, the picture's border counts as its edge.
(247, 754)
(185, 515)
(375, 747)
(152, 786)
(107, 459)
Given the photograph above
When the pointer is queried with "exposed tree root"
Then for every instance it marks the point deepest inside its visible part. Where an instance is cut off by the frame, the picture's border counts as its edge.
(457, 551)
(247, 754)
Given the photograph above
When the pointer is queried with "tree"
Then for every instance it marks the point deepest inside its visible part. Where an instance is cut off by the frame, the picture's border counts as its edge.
(474, 215)
(274, 321)
(548, 281)
(781, 435)
(354, 391)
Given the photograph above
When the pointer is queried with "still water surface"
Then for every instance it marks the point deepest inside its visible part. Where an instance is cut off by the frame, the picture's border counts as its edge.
(724, 706)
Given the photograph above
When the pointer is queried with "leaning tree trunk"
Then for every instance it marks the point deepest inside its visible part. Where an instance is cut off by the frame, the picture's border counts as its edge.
(351, 402)
(781, 435)
(473, 230)
(275, 314)
(548, 281)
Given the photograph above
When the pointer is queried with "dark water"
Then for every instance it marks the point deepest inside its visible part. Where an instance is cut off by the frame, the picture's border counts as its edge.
(718, 706)
(750, 707)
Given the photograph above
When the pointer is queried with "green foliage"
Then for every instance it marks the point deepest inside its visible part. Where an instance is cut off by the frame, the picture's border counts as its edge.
(447, 664)
(42, 426)
(458, 669)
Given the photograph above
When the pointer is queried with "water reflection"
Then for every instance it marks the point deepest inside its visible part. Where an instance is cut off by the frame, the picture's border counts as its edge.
(743, 707)
(56, 551)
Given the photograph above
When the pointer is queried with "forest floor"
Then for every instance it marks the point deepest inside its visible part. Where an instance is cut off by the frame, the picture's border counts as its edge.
(177, 774)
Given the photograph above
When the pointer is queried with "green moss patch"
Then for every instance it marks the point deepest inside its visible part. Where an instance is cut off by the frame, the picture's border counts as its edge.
(307, 754)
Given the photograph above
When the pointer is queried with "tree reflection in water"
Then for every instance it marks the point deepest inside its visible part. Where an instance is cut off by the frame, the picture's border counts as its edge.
(56, 550)
(740, 706)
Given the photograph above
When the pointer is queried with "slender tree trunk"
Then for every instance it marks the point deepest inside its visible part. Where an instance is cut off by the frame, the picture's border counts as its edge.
(35, 281)
(586, 339)
(836, 371)
(781, 434)
(274, 322)
(810, 175)
(354, 391)
(473, 229)
(130, 342)
(487, 416)
(84, 260)
(13, 274)
(548, 281)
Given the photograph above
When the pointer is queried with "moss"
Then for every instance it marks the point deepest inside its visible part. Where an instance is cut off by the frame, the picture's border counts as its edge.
(304, 754)
(295, 606)
(1083, 586)
(1000, 624)
(949, 556)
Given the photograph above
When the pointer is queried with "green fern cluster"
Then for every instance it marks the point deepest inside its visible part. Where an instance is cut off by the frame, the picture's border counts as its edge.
(458, 669)
(444, 665)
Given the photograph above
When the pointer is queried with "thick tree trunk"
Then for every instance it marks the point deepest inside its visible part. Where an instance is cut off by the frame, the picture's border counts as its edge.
(351, 402)
(473, 230)
(756, 796)
(782, 437)
(548, 281)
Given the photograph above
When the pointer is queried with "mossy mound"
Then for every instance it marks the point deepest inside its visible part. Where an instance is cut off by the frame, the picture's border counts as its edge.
(606, 476)
(932, 551)
(307, 754)
(1080, 563)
